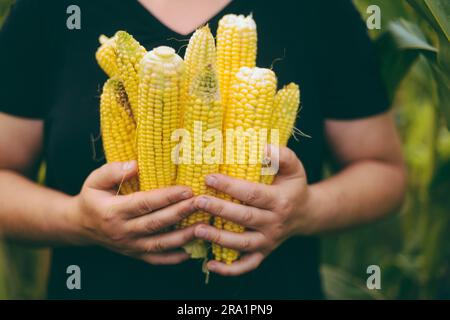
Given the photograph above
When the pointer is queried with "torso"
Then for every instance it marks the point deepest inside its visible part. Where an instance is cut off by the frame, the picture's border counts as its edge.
(73, 149)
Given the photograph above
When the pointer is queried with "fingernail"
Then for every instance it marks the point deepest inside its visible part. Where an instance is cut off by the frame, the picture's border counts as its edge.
(201, 202)
(211, 265)
(268, 150)
(201, 232)
(126, 166)
(186, 194)
(211, 181)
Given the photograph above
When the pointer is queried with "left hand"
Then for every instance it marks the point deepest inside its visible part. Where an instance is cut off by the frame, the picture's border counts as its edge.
(270, 213)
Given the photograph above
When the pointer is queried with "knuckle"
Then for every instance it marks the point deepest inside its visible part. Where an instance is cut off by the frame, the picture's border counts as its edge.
(219, 209)
(216, 237)
(248, 215)
(224, 185)
(184, 210)
(284, 204)
(118, 236)
(152, 226)
(245, 244)
(155, 246)
(108, 217)
(170, 198)
(158, 245)
(145, 206)
(253, 195)
(174, 194)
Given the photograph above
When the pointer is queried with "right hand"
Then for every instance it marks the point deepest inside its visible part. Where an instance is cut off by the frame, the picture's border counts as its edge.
(131, 224)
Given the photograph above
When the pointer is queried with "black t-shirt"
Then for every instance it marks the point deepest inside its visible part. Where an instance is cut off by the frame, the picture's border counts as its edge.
(49, 72)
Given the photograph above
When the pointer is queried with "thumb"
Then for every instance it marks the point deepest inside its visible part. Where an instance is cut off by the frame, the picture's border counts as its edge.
(286, 161)
(111, 175)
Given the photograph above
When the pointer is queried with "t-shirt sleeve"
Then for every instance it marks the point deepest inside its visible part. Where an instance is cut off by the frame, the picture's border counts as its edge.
(22, 67)
(351, 83)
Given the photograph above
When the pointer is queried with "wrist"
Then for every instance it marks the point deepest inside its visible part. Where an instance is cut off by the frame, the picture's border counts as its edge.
(73, 218)
(309, 217)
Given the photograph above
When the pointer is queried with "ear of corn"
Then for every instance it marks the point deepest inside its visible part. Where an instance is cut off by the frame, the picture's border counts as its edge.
(287, 101)
(202, 111)
(250, 110)
(106, 55)
(129, 55)
(236, 48)
(118, 128)
(159, 115)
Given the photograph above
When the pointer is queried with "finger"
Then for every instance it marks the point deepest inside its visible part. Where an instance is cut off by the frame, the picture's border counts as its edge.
(152, 223)
(110, 175)
(247, 216)
(141, 203)
(254, 194)
(245, 264)
(245, 241)
(286, 161)
(165, 258)
(165, 241)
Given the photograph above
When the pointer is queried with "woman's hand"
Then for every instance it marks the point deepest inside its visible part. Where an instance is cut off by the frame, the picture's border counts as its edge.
(131, 224)
(270, 213)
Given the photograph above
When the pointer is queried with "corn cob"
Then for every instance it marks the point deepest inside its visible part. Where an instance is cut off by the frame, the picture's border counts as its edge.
(160, 77)
(118, 128)
(203, 112)
(250, 109)
(129, 55)
(236, 48)
(106, 55)
(200, 94)
(287, 101)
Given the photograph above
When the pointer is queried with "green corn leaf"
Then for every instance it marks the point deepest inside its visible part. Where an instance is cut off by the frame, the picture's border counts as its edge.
(399, 48)
(340, 285)
(440, 10)
(443, 92)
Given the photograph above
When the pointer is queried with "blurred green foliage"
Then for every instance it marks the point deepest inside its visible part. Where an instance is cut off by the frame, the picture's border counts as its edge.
(4, 8)
(411, 247)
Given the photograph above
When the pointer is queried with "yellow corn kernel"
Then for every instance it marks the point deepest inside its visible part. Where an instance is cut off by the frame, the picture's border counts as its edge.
(160, 75)
(250, 110)
(129, 56)
(118, 129)
(287, 101)
(236, 48)
(106, 55)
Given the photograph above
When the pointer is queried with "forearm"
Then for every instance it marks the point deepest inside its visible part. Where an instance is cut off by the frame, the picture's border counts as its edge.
(359, 193)
(33, 213)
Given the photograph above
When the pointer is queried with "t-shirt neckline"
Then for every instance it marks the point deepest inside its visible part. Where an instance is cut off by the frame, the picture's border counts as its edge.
(148, 14)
